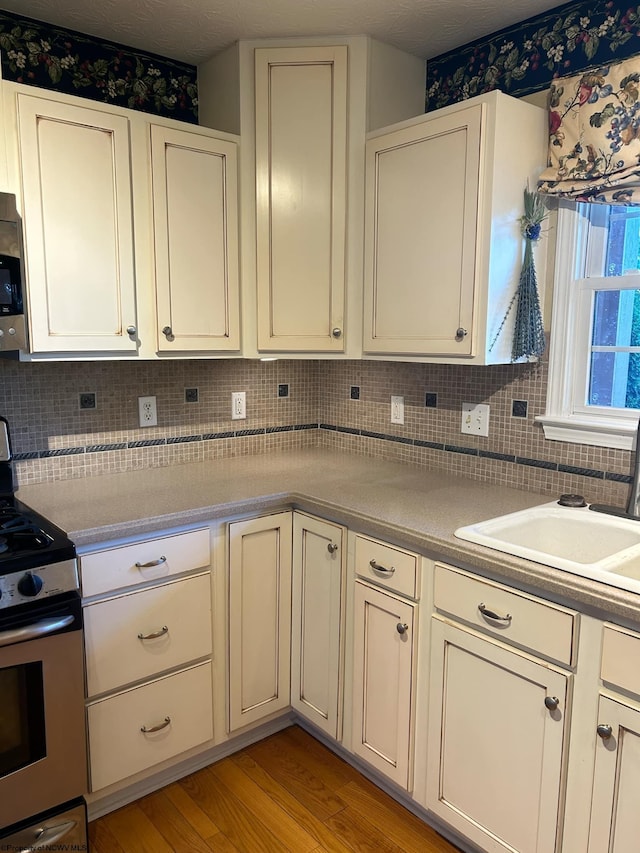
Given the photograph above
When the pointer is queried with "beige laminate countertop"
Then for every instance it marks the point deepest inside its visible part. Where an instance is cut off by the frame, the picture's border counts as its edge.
(403, 504)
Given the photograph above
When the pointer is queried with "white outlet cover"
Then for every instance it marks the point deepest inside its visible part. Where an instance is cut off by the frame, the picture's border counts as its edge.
(147, 412)
(238, 405)
(397, 410)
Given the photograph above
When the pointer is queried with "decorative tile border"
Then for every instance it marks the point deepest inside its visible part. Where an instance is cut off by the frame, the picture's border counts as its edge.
(527, 57)
(484, 454)
(40, 54)
(156, 442)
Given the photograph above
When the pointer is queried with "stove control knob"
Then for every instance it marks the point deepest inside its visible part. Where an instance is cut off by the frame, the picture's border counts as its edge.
(29, 585)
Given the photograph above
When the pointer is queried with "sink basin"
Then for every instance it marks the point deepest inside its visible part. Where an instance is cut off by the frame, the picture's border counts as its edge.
(602, 547)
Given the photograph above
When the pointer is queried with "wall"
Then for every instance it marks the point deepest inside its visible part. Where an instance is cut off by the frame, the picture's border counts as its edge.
(54, 439)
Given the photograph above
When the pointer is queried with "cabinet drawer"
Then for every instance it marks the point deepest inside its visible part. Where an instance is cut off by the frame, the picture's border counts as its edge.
(116, 654)
(117, 746)
(620, 657)
(544, 628)
(153, 559)
(384, 564)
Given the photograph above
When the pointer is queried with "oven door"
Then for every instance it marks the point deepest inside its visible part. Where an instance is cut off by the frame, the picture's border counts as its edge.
(42, 723)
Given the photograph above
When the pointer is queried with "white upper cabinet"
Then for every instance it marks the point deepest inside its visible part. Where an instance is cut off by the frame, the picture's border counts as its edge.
(301, 150)
(443, 242)
(195, 221)
(77, 213)
(303, 107)
(130, 229)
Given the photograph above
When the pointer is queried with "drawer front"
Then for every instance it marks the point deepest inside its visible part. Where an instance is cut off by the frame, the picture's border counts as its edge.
(620, 656)
(544, 628)
(384, 564)
(178, 614)
(153, 559)
(117, 746)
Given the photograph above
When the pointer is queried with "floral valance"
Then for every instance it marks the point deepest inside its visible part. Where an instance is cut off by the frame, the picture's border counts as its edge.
(594, 136)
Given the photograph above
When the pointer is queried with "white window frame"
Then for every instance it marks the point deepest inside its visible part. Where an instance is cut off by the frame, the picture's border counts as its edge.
(577, 277)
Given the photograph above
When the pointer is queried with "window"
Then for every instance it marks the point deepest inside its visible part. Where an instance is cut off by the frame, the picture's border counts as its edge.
(594, 366)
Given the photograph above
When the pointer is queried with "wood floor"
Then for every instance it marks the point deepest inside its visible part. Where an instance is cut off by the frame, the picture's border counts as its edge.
(286, 793)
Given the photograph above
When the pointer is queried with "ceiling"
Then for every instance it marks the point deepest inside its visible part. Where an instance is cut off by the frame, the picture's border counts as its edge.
(193, 30)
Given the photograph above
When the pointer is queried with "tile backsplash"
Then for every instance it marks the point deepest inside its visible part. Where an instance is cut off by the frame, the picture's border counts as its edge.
(54, 438)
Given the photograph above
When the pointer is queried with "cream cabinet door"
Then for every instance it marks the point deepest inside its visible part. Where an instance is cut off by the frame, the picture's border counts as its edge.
(195, 218)
(301, 145)
(259, 618)
(384, 650)
(495, 748)
(77, 211)
(615, 817)
(317, 624)
(422, 185)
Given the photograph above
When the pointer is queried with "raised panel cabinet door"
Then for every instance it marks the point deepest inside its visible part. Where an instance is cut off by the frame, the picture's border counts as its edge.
(259, 618)
(195, 219)
(421, 209)
(615, 817)
(383, 669)
(496, 737)
(301, 145)
(77, 211)
(317, 625)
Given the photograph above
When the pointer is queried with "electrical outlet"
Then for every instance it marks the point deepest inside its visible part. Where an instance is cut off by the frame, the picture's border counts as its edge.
(397, 410)
(475, 418)
(238, 405)
(147, 412)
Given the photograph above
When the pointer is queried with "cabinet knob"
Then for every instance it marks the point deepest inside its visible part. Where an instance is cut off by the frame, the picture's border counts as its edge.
(604, 731)
(168, 333)
(461, 334)
(551, 702)
(132, 331)
(337, 333)
(331, 548)
(402, 627)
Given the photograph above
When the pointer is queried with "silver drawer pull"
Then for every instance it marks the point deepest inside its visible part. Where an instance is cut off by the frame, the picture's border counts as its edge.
(154, 636)
(489, 614)
(402, 627)
(158, 728)
(151, 563)
(551, 702)
(604, 731)
(332, 548)
(382, 569)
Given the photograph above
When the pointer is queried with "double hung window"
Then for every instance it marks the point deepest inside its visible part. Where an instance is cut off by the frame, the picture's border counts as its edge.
(594, 370)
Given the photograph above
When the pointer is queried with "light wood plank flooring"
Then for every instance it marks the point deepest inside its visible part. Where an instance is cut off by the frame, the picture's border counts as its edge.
(285, 793)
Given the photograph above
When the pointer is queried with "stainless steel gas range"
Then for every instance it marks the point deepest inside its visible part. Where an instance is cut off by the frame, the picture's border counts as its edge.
(43, 773)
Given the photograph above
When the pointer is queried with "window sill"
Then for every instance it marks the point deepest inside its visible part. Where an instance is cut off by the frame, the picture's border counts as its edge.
(601, 433)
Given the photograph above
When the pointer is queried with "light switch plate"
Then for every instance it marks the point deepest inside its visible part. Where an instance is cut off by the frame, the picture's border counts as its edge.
(475, 419)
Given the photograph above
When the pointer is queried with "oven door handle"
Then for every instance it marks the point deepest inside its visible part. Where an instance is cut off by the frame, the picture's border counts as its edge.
(35, 630)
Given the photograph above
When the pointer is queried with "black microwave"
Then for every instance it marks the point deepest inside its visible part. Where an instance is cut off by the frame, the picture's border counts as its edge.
(13, 328)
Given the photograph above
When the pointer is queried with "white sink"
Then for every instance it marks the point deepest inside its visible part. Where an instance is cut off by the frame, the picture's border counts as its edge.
(592, 544)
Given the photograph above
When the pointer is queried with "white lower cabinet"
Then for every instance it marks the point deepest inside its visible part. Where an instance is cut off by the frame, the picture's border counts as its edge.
(148, 653)
(384, 657)
(615, 817)
(499, 711)
(259, 618)
(384, 652)
(317, 629)
(495, 748)
(136, 729)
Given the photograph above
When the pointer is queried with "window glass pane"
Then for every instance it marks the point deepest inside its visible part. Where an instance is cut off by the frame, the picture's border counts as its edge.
(623, 241)
(22, 726)
(616, 318)
(614, 380)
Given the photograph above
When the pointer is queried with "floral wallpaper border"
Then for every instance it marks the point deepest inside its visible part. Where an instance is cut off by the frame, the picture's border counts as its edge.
(525, 58)
(53, 58)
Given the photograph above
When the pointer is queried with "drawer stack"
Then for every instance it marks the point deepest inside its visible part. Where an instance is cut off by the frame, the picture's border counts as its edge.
(148, 648)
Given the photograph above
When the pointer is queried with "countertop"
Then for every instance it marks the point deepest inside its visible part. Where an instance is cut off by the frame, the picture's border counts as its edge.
(409, 506)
